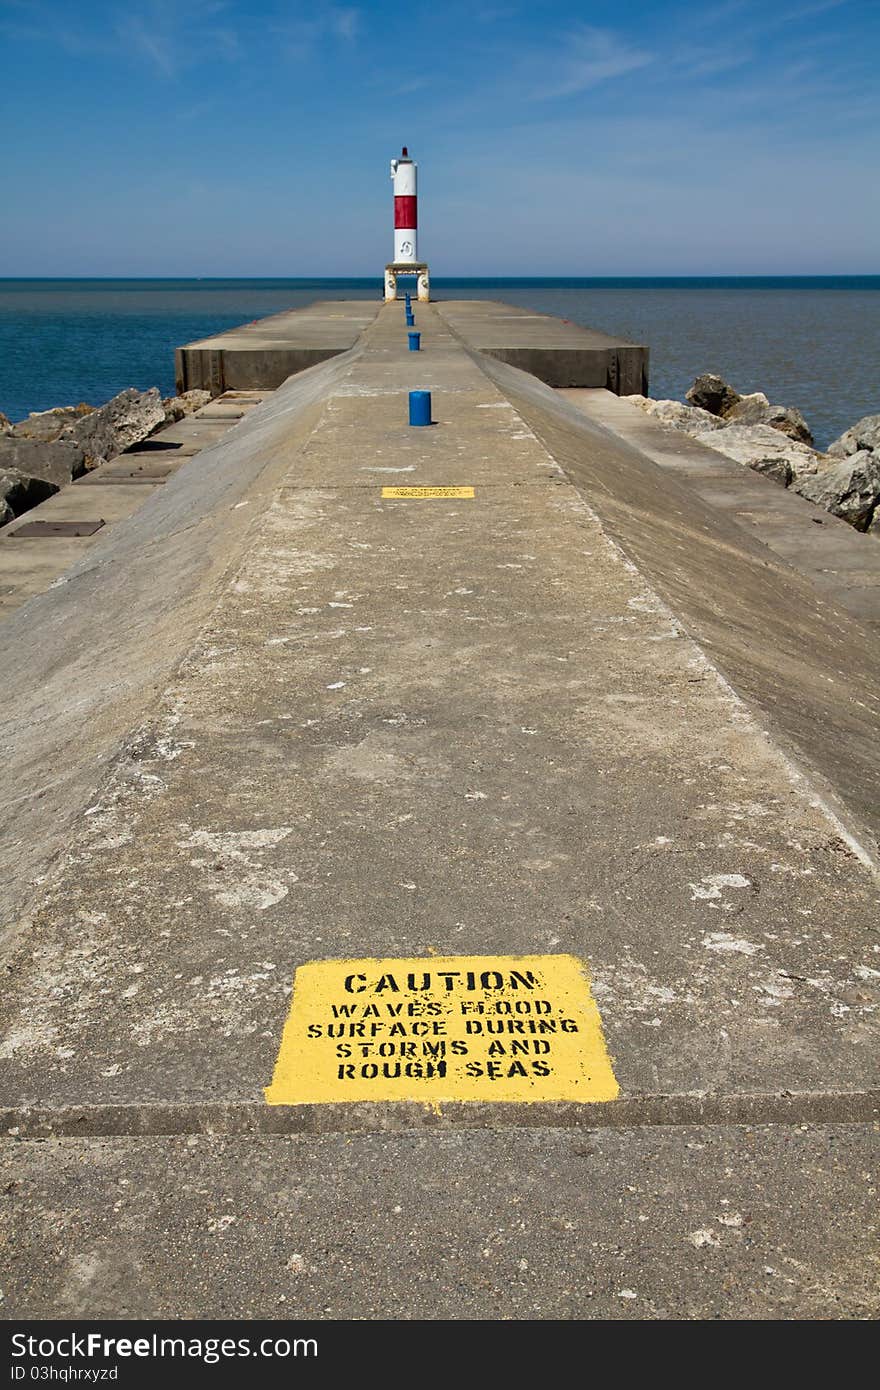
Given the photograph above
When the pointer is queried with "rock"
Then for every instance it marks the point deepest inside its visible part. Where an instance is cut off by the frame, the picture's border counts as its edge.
(717, 396)
(749, 410)
(712, 393)
(789, 420)
(5, 423)
(56, 461)
(50, 424)
(850, 489)
(863, 435)
(761, 447)
(779, 470)
(130, 417)
(682, 417)
(18, 493)
(755, 409)
(176, 407)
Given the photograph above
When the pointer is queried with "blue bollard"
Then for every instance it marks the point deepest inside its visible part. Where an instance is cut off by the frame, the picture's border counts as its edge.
(420, 407)
(410, 319)
(414, 341)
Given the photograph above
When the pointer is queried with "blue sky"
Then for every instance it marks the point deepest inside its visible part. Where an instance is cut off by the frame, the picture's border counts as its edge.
(217, 137)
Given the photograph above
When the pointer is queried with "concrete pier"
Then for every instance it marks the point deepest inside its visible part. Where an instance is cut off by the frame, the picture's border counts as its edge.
(261, 355)
(289, 717)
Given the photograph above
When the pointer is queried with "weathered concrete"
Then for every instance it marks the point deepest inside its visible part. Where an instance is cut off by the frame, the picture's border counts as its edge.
(558, 352)
(311, 723)
(110, 492)
(266, 352)
(663, 1223)
(838, 561)
(261, 355)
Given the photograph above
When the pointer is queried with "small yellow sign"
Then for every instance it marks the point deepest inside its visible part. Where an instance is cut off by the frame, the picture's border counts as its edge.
(422, 492)
(454, 1028)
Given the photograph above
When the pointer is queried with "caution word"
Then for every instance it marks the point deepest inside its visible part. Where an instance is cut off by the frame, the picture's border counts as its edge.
(455, 1028)
(424, 492)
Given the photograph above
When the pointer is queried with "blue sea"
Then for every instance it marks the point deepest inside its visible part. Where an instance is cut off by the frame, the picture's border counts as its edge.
(811, 342)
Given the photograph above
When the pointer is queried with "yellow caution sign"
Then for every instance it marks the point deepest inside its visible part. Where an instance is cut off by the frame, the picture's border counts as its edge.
(454, 1028)
(424, 492)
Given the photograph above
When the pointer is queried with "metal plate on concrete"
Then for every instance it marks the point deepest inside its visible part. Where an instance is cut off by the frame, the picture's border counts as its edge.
(153, 478)
(46, 529)
(424, 493)
(455, 1028)
(150, 446)
(149, 473)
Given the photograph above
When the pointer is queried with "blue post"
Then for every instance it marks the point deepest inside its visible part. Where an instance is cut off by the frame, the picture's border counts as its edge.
(410, 318)
(414, 341)
(420, 407)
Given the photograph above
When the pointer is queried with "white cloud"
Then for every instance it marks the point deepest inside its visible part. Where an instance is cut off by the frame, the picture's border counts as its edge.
(591, 56)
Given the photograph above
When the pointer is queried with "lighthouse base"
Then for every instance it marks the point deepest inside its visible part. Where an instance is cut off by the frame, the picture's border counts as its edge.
(417, 268)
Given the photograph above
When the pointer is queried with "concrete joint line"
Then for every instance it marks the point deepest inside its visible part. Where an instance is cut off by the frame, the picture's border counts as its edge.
(151, 1119)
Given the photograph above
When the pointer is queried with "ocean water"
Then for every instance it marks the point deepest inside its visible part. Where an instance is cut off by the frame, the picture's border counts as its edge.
(810, 342)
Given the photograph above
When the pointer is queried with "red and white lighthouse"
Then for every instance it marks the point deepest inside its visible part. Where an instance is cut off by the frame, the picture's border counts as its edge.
(404, 174)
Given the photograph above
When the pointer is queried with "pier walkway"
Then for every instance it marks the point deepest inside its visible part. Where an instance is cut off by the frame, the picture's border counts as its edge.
(564, 708)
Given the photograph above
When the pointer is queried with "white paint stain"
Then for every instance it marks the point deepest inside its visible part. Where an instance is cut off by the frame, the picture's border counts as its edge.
(258, 893)
(710, 886)
(723, 941)
(704, 1237)
(232, 843)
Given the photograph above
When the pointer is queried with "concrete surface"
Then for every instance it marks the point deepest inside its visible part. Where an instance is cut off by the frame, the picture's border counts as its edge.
(263, 354)
(838, 560)
(558, 352)
(29, 566)
(266, 352)
(652, 1223)
(309, 722)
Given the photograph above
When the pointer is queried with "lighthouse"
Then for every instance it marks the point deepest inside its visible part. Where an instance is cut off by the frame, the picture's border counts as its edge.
(404, 176)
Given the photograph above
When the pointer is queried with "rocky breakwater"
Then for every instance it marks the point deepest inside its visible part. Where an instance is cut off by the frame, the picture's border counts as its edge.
(50, 448)
(776, 440)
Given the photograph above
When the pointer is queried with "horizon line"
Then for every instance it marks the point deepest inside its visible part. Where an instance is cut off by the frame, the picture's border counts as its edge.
(482, 279)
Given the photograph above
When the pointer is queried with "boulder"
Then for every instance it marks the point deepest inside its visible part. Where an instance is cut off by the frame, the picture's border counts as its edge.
(749, 410)
(5, 423)
(712, 393)
(789, 420)
(863, 435)
(55, 461)
(682, 417)
(850, 489)
(176, 407)
(755, 409)
(780, 470)
(18, 493)
(50, 424)
(130, 417)
(761, 447)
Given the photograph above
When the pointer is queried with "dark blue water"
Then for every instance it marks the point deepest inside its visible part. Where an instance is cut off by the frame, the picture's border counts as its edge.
(810, 342)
